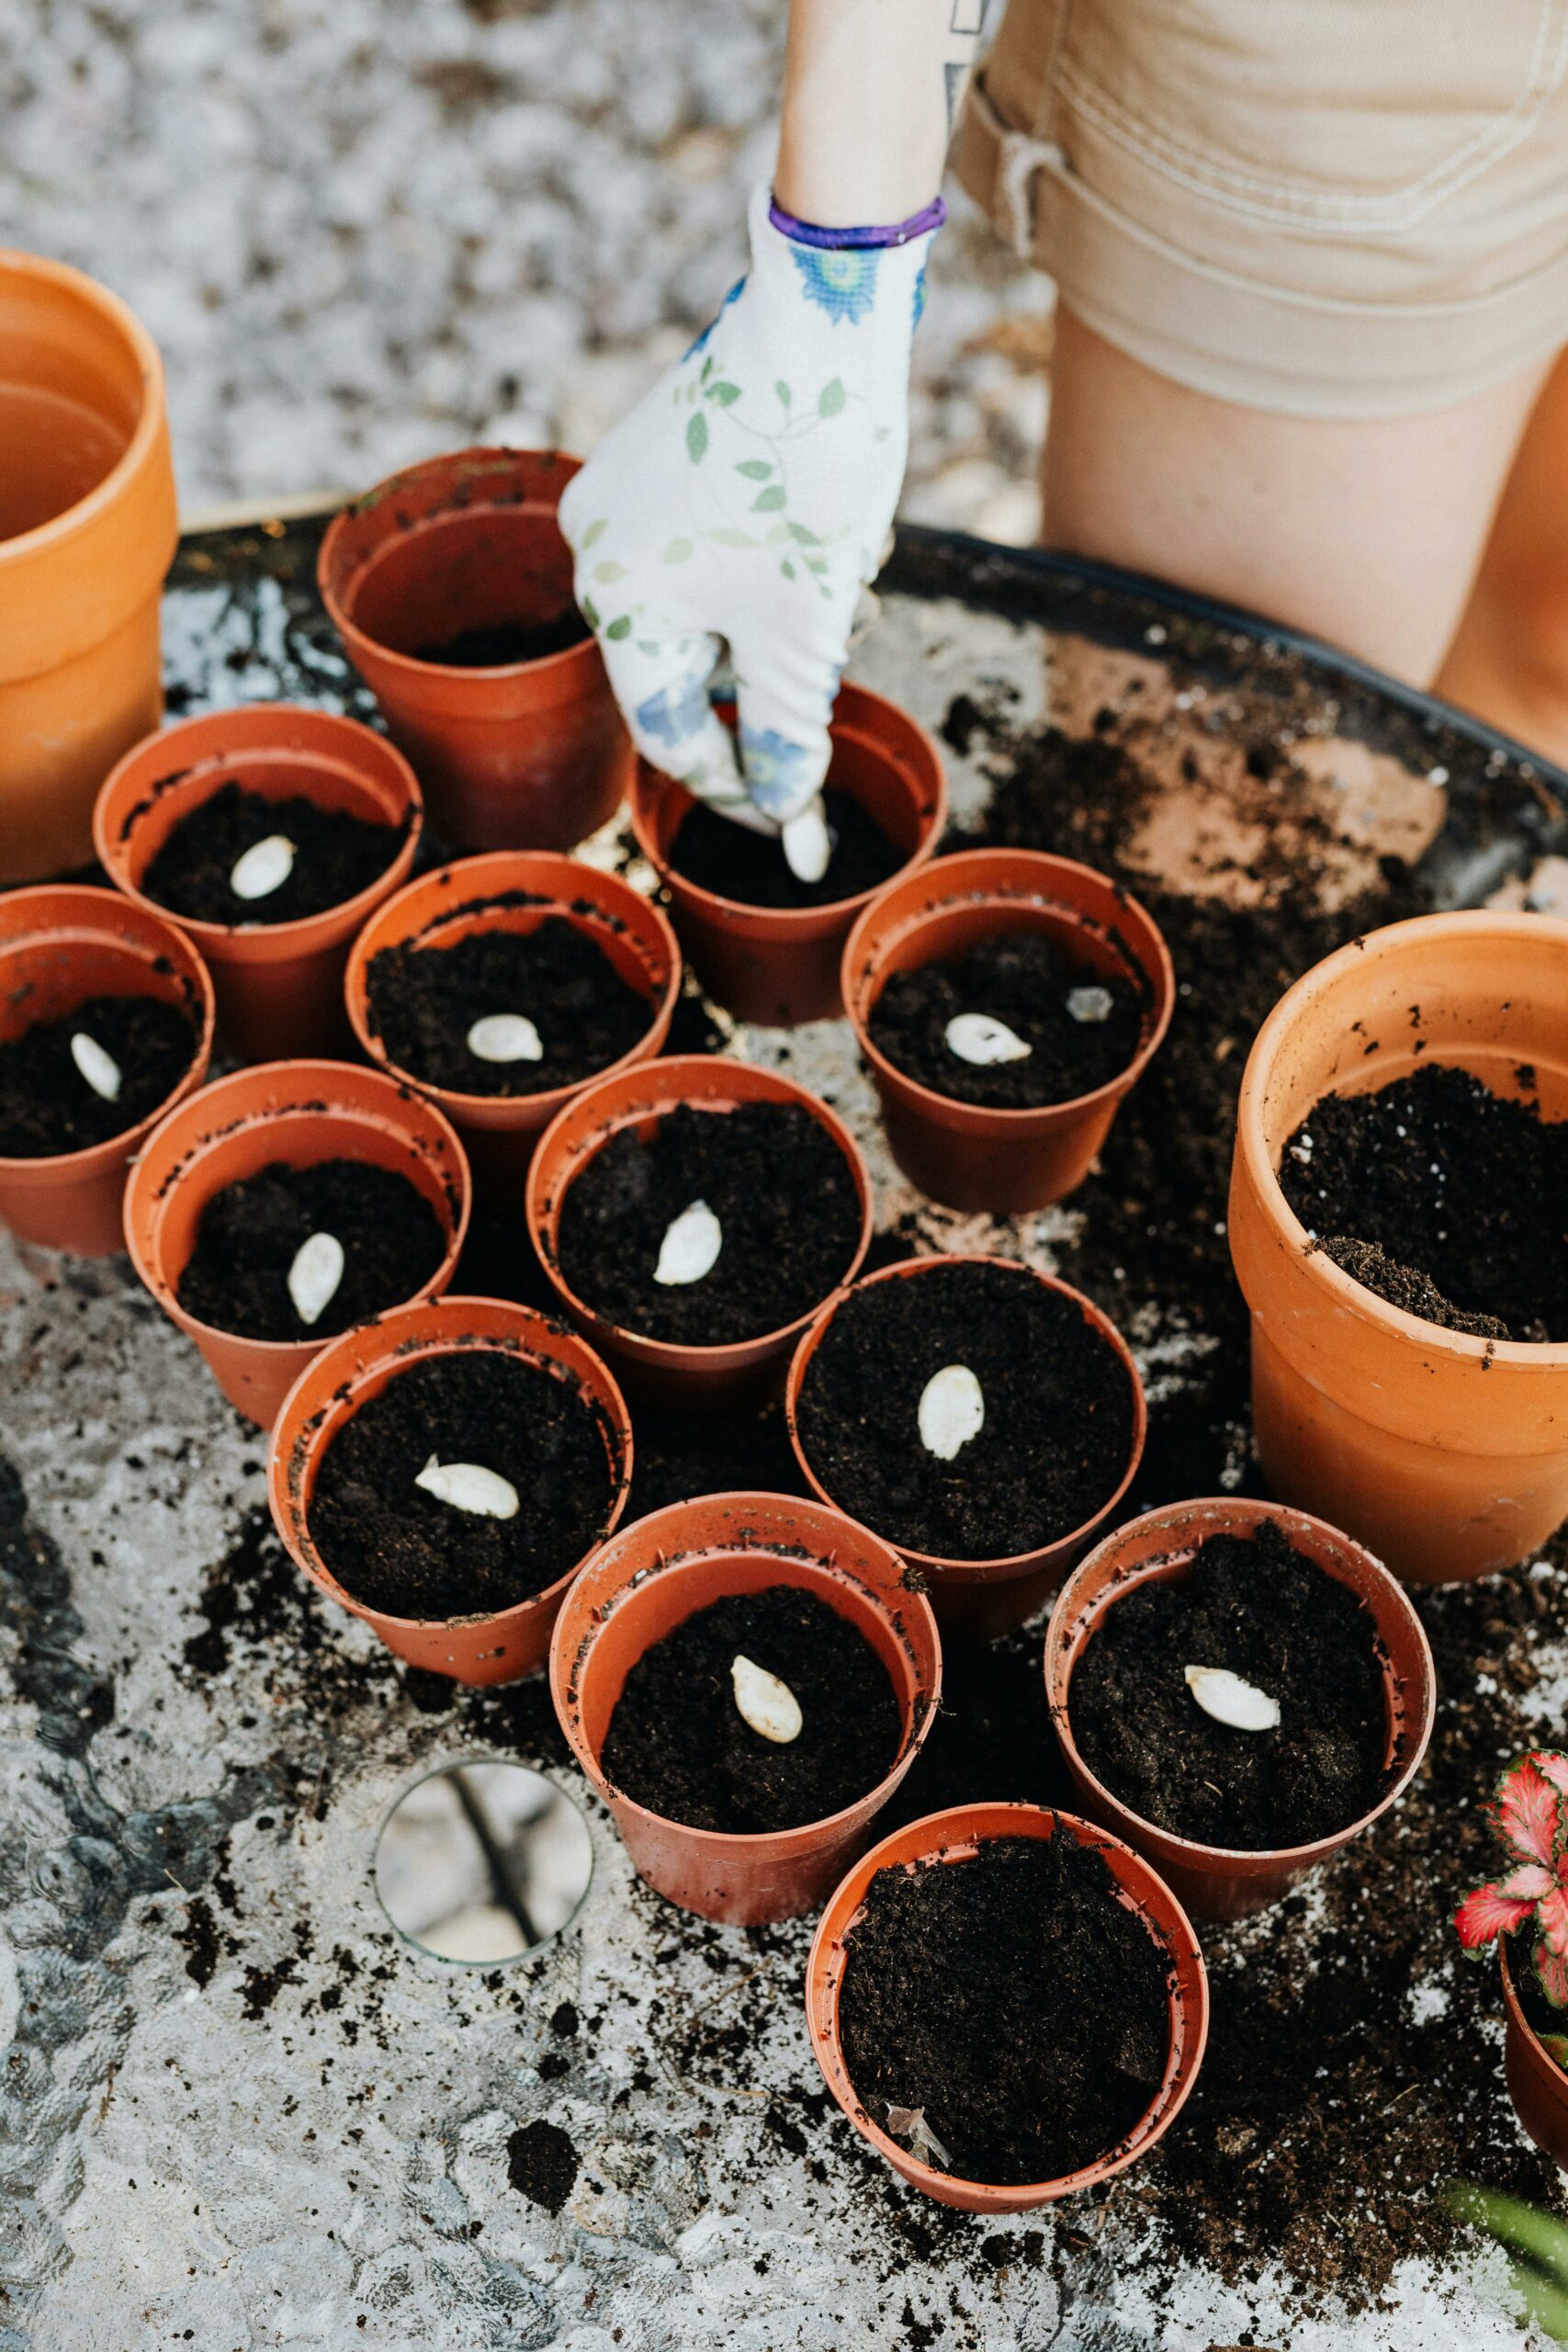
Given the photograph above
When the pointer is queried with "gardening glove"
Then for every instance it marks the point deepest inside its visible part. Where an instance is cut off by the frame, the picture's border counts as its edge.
(745, 503)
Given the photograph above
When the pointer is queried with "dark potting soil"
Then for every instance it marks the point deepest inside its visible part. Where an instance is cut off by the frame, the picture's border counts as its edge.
(336, 855)
(678, 1455)
(495, 644)
(542, 2163)
(399, 1550)
(424, 1000)
(1014, 2001)
(786, 1204)
(1417, 1294)
(677, 1744)
(1024, 978)
(735, 863)
(1539, 2014)
(46, 1104)
(1453, 1183)
(1256, 1605)
(237, 1276)
(1059, 1423)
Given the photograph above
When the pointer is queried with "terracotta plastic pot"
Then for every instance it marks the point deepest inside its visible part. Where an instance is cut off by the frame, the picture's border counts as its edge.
(1447, 1454)
(87, 530)
(1004, 1162)
(356, 1367)
(650, 1579)
(661, 1371)
(981, 1598)
(525, 756)
(300, 1113)
(1218, 1881)
(1537, 2083)
(61, 944)
(482, 894)
(279, 985)
(953, 1837)
(776, 964)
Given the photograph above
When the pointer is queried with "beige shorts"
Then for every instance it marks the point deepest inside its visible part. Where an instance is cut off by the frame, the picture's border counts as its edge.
(1331, 208)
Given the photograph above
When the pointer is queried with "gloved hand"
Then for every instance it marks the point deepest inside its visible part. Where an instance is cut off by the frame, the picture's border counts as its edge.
(745, 502)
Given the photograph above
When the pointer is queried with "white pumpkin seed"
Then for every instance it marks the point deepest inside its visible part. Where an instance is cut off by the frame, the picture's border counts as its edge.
(769, 1706)
(952, 1411)
(264, 867)
(99, 1069)
(1090, 1004)
(690, 1245)
(808, 843)
(909, 2123)
(1229, 1699)
(976, 1038)
(315, 1274)
(469, 1486)
(506, 1037)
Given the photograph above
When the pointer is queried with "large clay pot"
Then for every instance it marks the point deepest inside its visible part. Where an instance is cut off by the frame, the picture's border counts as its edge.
(1537, 2083)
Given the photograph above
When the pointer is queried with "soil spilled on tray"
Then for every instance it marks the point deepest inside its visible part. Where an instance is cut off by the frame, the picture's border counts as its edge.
(336, 855)
(1082, 1026)
(676, 1457)
(237, 1276)
(47, 1104)
(494, 645)
(678, 1743)
(735, 863)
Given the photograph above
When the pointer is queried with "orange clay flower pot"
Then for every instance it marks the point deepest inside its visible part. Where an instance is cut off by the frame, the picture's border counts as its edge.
(279, 985)
(780, 964)
(356, 1366)
(300, 1113)
(1447, 1454)
(1537, 2083)
(1230, 1882)
(661, 1371)
(952, 1839)
(514, 890)
(61, 944)
(88, 531)
(1004, 1162)
(525, 756)
(649, 1579)
(981, 1598)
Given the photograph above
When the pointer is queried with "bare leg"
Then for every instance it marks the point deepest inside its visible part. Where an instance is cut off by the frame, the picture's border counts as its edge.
(1369, 533)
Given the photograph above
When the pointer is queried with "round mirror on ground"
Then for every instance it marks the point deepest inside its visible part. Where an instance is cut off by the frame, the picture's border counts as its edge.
(482, 1861)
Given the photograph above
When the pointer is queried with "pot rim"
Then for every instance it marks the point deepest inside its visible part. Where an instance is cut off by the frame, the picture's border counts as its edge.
(1253, 1510)
(149, 423)
(996, 1570)
(397, 1341)
(671, 1069)
(863, 949)
(562, 1673)
(550, 1100)
(953, 1834)
(65, 1164)
(1252, 1147)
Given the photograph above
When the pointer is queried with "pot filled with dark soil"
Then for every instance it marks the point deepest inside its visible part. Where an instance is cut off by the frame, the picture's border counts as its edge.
(451, 586)
(984, 1418)
(105, 1020)
(1537, 2083)
(744, 1679)
(693, 1214)
(1005, 1002)
(267, 833)
(288, 1204)
(764, 945)
(502, 985)
(1239, 1691)
(1397, 1226)
(1008, 2005)
(445, 1472)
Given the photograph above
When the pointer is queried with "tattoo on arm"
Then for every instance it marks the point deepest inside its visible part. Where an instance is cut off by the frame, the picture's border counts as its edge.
(965, 30)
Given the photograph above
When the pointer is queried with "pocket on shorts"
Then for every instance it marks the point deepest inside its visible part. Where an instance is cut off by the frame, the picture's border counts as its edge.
(1340, 118)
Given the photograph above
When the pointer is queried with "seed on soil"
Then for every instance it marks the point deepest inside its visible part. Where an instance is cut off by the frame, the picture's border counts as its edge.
(755, 869)
(689, 1248)
(952, 1411)
(49, 1102)
(469, 1486)
(264, 867)
(909, 2123)
(251, 1232)
(314, 1276)
(769, 1706)
(974, 1037)
(1229, 1699)
(100, 1069)
(1091, 1005)
(505, 1037)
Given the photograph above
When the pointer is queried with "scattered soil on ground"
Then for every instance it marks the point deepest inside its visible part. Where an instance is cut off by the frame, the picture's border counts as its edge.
(735, 863)
(237, 1276)
(336, 855)
(678, 1455)
(46, 1104)
(1024, 978)
(494, 645)
(542, 2163)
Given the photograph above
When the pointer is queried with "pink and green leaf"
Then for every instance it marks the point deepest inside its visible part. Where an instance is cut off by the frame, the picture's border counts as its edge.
(1551, 1974)
(1488, 1912)
(1527, 1813)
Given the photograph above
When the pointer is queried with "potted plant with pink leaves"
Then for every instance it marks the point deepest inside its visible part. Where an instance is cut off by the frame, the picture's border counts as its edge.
(1525, 1913)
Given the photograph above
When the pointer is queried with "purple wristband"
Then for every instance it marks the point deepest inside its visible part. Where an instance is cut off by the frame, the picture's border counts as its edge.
(805, 232)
